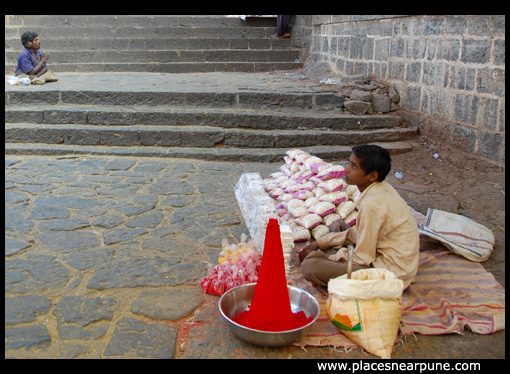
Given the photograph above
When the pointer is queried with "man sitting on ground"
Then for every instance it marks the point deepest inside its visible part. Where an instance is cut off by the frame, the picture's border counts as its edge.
(386, 234)
(32, 62)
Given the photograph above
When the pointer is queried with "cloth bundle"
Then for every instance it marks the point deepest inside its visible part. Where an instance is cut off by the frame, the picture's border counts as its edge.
(459, 234)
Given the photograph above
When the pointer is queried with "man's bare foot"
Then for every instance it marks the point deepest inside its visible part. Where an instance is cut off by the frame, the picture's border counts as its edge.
(284, 36)
(338, 226)
(305, 251)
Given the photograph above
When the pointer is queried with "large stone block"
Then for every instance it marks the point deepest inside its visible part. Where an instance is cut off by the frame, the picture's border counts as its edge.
(357, 107)
(380, 103)
(139, 339)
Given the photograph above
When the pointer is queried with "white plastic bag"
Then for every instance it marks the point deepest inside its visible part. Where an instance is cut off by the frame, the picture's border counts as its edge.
(24, 81)
(17, 81)
(367, 308)
(12, 80)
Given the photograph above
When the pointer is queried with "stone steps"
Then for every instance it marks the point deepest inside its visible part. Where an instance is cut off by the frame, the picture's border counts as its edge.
(213, 116)
(168, 44)
(147, 56)
(241, 99)
(327, 153)
(193, 136)
(172, 67)
(139, 21)
(123, 90)
(168, 61)
(121, 37)
(165, 43)
(247, 118)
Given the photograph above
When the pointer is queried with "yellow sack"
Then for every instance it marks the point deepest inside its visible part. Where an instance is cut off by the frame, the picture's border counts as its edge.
(367, 308)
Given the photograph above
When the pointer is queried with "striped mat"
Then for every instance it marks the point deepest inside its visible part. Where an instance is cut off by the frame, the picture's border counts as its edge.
(449, 294)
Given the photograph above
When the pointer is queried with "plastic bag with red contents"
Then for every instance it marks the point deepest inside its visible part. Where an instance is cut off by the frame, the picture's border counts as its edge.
(211, 284)
(223, 277)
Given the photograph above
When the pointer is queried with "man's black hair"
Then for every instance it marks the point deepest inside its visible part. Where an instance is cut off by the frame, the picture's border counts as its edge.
(373, 158)
(28, 36)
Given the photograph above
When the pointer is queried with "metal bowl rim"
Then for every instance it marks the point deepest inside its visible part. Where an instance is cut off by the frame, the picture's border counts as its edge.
(270, 332)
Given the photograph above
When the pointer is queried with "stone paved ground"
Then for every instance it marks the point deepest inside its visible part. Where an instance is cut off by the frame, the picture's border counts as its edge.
(104, 257)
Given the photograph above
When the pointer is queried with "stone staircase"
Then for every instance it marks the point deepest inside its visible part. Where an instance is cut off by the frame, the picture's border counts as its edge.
(138, 109)
(164, 44)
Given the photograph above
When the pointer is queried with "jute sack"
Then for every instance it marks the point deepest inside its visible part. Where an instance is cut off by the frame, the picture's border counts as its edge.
(367, 308)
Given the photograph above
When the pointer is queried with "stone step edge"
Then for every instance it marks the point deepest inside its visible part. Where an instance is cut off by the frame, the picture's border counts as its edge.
(229, 33)
(108, 19)
(192, 136)
(203, 128)
(327, 153)
(239, 97)
(212, 116)
(240, 28)
(164, 38)
(261, 110)
(170, 67)
(199, 52)
(208, 130)
(191, 44)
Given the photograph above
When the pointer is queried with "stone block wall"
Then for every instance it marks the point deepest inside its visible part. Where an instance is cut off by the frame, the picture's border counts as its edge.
(448, 69)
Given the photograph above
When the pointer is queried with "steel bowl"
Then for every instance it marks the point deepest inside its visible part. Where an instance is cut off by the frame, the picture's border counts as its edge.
(238, 299)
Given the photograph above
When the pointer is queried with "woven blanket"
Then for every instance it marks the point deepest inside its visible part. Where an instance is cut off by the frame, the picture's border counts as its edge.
(450, 293)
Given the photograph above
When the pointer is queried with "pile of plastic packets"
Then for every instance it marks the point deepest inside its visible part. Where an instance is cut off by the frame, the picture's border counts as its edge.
(310, 194)
(237, 264)
(305, 196)
(257, 208)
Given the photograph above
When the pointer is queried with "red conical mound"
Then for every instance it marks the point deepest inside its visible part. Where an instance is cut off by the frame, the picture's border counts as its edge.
(270, 308)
